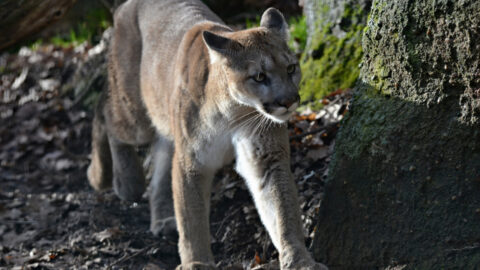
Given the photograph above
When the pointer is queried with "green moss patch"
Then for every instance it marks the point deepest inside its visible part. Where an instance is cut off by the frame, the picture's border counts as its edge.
(332, 61)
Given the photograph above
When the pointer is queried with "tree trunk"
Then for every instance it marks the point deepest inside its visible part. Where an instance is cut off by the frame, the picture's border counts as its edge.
(333, 50)
(404, 183)
(19, 19)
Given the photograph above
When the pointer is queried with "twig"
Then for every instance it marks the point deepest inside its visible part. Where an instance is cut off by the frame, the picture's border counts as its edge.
(231, 214)
(126, 258)
(475, 246)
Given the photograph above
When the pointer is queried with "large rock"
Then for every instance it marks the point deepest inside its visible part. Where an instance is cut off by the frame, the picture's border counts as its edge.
(333, 51)
(404, 185)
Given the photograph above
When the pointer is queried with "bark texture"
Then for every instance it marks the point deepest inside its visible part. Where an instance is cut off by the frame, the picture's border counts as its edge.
(333, 50)
(19, 19)
(404, 183)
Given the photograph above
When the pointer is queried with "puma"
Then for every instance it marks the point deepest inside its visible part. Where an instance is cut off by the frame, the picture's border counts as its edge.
(202, 95)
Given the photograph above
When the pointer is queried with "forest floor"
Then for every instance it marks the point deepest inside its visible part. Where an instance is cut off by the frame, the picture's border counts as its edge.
(50, 218)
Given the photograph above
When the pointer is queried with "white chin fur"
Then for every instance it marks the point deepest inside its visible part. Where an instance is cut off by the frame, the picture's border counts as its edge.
(280, 114)
(279, 118)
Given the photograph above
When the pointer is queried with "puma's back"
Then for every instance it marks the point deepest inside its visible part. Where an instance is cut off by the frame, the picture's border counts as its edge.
(144, 51)
(167, 22)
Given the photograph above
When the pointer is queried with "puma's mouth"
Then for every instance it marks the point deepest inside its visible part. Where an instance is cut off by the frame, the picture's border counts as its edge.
(278, 114)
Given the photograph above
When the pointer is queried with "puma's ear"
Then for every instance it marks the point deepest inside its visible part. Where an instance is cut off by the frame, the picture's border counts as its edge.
(217, 45)
(216, 42)
(274, 20)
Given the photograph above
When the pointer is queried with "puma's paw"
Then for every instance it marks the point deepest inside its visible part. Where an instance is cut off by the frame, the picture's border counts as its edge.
(314, 266)
(196, 266)
(166, 227)
(273, 265)
(300, 262)
(129, 188)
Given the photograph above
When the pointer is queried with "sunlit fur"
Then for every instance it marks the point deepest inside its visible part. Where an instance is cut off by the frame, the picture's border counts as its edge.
(266, 51)
(180, 79)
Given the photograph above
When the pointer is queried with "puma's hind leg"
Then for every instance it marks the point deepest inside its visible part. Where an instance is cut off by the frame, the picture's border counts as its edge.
(99, 172)
(128, 176)
(113, 161)
(161, 199)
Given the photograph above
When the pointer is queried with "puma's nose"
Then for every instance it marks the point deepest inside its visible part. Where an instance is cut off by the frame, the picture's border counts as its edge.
(284, 103)
(287, 102)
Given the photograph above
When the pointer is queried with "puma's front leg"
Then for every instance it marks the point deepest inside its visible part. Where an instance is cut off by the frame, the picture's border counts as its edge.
(264, 162)
(191, 196)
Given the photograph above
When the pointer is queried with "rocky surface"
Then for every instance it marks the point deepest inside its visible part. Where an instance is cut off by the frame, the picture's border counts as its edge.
(405, 176)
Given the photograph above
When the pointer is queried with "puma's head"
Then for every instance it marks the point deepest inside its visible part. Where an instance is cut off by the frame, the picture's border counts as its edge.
(260, 70)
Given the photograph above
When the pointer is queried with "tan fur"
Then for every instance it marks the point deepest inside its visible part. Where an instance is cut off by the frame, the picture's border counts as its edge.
(183, 81)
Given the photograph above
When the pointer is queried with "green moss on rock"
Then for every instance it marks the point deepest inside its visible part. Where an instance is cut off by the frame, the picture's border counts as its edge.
(334, 65)
(334, 51)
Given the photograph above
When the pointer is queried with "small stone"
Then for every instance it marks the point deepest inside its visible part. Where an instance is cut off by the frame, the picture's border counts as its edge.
(33, 252)
(49, 84)
(70, 197)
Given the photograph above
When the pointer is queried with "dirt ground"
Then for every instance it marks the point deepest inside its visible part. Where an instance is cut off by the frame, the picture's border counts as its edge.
(51, 219)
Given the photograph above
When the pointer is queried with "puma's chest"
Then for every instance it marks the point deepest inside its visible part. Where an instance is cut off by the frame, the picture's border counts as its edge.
(215, 151)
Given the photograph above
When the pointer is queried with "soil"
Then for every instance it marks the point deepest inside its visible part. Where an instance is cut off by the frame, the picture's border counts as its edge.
(50, 218)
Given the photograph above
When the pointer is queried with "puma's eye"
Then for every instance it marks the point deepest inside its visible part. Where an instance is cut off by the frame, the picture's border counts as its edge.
(260, 77)
(291, 69)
